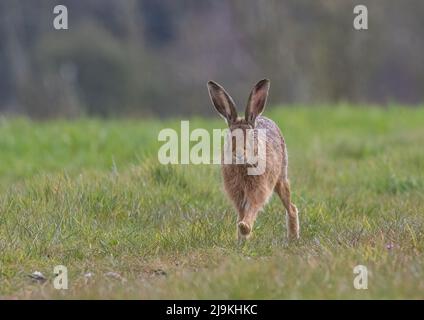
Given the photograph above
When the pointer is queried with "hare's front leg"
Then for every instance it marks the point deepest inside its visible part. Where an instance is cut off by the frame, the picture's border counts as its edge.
(246, 217)
(283, 190)
(243, 229)
(248, 211)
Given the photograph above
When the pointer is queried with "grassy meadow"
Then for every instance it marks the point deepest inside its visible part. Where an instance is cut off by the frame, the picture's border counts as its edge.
(90, 194)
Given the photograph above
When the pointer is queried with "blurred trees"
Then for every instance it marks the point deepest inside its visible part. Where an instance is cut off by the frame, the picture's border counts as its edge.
(143, 57)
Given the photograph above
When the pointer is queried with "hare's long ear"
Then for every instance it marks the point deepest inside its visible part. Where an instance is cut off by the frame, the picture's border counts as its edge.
(257, 100)
(222, 102)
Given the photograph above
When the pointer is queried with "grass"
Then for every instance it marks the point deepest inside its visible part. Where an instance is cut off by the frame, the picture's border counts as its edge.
(90, 195)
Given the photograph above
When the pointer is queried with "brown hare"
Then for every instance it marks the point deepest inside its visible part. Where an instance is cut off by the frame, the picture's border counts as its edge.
(249, 193)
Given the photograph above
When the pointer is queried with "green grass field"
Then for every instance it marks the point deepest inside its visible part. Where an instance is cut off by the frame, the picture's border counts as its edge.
(91, 195)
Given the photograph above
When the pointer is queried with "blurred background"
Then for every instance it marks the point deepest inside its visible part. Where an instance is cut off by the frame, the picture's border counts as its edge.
(153, 57)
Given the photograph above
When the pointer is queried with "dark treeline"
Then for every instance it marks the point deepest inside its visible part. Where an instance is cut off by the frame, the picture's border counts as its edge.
(153, 57)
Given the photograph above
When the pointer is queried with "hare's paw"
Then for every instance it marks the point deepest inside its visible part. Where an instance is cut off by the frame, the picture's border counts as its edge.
(244, 229)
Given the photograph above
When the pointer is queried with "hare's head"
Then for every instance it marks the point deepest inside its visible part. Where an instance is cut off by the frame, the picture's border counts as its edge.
(225, 106)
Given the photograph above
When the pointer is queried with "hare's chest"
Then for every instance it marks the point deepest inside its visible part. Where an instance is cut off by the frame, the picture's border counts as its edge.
(236, 177)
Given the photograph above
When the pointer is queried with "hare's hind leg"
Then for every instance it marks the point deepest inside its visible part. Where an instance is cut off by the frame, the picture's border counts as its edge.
(283, 190)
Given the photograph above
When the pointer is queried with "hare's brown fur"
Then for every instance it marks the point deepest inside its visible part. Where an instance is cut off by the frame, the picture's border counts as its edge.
(249, 193)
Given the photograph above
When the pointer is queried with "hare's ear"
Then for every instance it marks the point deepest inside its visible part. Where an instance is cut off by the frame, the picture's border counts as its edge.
(257, 100)
(222, 102)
